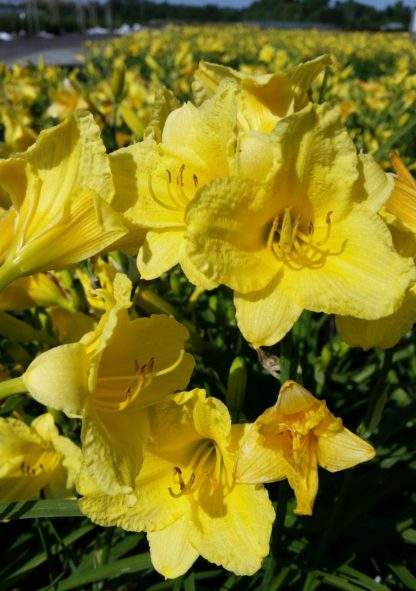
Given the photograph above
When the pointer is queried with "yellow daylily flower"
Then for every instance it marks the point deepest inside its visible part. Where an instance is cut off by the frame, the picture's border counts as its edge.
(59, 189)
(35, 459)
(296, 229)
(155, 180)
(290, 439)
(187, 499)
(41, 289)
(109, 379)
(262, 99)
(400, 215)
(18, 133)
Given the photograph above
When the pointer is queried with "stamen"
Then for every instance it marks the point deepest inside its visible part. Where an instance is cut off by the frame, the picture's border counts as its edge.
(196, 182)
(295, 247)
(112, 401)
(272, 232)
(158, 201)
(328, 228)
(179, 178)
(169, 176)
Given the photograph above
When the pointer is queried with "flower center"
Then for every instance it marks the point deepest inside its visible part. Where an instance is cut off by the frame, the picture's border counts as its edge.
(115, 393)
(177, 199)
(293, 242)
(36, 464)
(205, 466)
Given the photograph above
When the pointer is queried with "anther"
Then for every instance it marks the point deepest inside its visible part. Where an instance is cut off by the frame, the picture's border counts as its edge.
(179, 178)
(196, 182)
(169, 176)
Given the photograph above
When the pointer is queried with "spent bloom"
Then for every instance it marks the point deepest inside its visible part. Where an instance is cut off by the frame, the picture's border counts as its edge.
(187, 498)
(290, 439)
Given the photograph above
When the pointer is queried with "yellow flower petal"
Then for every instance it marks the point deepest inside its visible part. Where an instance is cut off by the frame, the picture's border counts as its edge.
(265, 317)
(58, 188)
(257, 461)
(302, 76)
(159, 253)
(222, 241)
(382, 333)
(113, 446)
(373, 187)
(354, 279)
(234, 531)
(171, 550)
(343, 450)
(59, 378)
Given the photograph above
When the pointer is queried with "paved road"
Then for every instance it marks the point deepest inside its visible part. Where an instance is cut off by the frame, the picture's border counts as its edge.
(60, 51)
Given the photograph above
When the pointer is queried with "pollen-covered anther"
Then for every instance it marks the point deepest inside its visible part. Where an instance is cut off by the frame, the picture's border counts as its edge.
(179, 178)
(184, 488)
(31, 470)
(292, 242)
(110, 399)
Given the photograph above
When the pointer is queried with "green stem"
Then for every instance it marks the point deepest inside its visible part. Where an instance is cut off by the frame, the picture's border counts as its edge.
(287, 368)
(377, 398)
(13, 386)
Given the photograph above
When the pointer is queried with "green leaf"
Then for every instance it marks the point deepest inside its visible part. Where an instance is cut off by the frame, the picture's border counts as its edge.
(405, 576)
(42, 508)
(118, 568)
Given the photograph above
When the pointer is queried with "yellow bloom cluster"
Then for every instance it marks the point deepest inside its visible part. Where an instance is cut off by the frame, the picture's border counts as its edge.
(253, 186)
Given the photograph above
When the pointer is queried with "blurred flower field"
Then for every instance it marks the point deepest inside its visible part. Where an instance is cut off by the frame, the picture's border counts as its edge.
(207, 294)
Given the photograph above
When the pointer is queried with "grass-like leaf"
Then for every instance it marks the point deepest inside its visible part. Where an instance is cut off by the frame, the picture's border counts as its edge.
(42, 508)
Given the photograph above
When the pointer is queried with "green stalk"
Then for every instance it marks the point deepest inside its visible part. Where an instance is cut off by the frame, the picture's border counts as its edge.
(13, 386)
(287, 368)
(377, 399)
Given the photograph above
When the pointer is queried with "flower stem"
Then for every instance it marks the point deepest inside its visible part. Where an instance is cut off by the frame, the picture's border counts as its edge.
(13, 386)
(286, 358)
(377, 398)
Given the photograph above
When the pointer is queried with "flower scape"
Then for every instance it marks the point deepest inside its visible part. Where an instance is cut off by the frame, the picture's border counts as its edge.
(187, 271)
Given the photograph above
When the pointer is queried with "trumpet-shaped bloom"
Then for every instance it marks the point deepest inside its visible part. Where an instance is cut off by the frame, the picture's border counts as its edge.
(155, 180)
(400, 214)
(109, 379)
(295, 229)
(263, 99)
(187, 499)
(59, 188)
(36, 458)
(290, 439)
